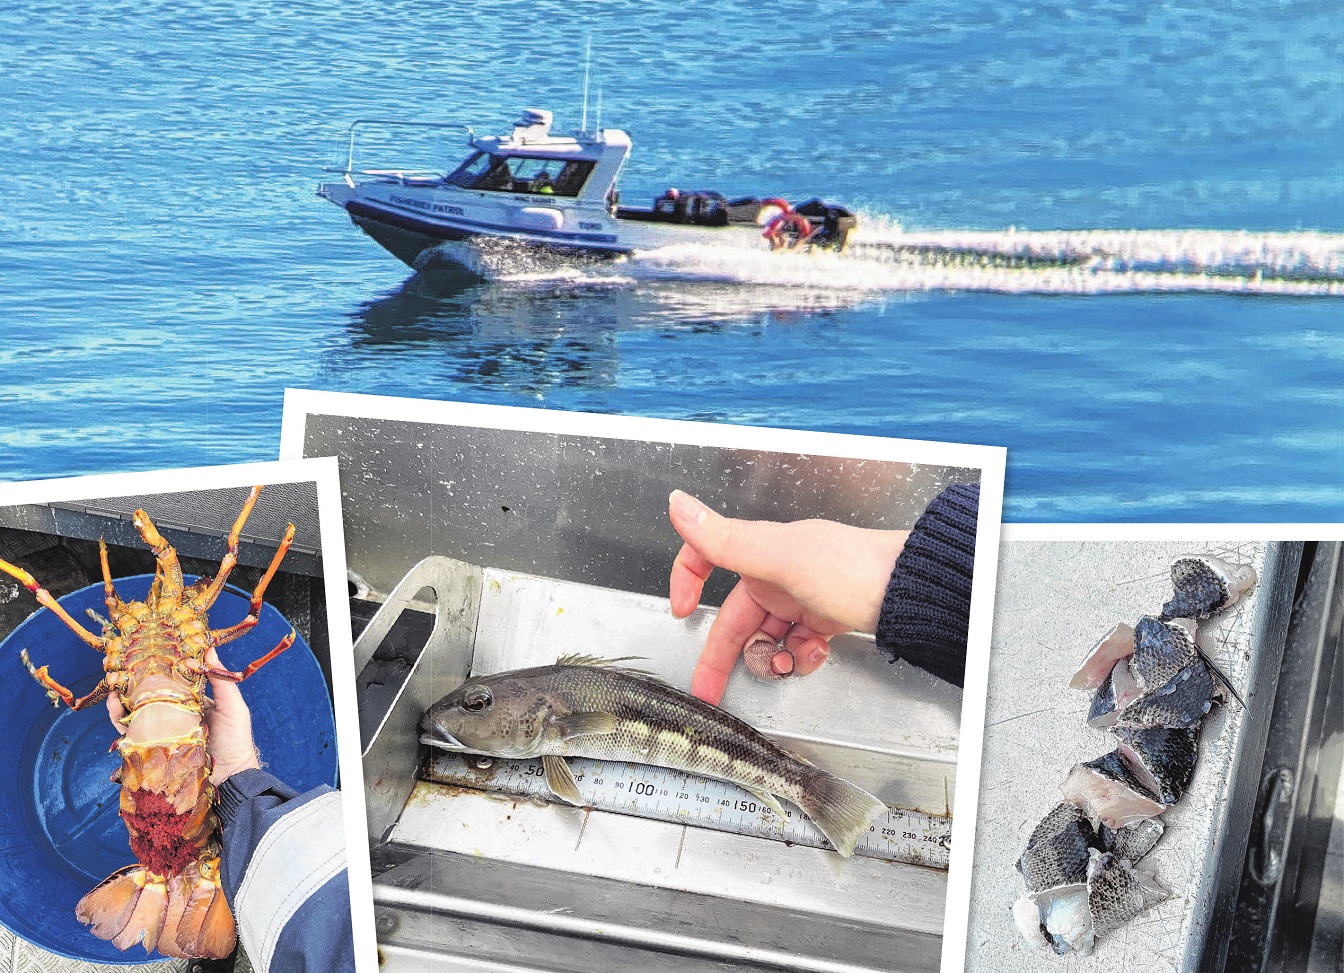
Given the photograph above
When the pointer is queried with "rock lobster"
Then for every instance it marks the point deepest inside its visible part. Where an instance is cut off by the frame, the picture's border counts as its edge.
(154, 656)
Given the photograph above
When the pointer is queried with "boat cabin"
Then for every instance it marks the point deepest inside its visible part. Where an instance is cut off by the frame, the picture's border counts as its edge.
(583, 166)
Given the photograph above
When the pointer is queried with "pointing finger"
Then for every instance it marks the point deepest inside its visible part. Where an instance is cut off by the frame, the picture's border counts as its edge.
(739, 617)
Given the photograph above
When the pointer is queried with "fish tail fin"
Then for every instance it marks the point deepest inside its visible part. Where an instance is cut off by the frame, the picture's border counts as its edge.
(842, 811)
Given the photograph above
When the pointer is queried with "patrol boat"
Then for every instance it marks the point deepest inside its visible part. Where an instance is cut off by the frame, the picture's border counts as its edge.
(558, 193)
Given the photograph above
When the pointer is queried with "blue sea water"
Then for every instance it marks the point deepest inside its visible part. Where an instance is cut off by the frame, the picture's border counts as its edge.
(166, 269)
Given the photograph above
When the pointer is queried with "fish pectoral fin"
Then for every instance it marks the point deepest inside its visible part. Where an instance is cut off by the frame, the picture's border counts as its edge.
(770, 801)
(585, 725)
(560, 779)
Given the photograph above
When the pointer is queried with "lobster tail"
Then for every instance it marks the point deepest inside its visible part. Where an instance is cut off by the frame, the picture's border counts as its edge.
(183, 916)
(206, 927)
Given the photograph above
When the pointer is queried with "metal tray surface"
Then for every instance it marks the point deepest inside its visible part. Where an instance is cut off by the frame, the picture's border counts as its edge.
(1055, 600)
(889, 728)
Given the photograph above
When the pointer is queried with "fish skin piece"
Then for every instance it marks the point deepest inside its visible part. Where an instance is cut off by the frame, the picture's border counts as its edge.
(1113, 696)
(1162, 757)
(1115, 645)
(1108, 791)
(587, 707)
(1133, 842)
(1161, 649)
(1116, 893)
(1204, 585)
(1184, 700)
(1057, 852)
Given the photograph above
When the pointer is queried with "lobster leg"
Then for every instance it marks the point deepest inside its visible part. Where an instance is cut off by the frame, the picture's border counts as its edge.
(168, 576)
(46, 601)
(231, 676)
(58, 693)
(222, 635)
(207, 598)
(109, 593)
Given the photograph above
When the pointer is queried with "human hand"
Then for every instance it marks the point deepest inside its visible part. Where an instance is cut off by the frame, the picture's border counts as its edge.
(803, 582)
(228, 724)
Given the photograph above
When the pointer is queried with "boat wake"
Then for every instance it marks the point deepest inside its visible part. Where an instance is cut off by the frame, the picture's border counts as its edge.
(886, 258)
(883, 258)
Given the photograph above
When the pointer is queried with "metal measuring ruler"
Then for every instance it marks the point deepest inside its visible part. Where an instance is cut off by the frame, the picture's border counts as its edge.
(670, 795)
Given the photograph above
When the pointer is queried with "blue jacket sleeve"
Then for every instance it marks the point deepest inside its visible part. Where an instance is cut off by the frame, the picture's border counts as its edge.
(283, 866)
(927, 607)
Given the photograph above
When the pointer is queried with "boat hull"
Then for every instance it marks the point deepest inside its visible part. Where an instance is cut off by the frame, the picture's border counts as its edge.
(410, 221)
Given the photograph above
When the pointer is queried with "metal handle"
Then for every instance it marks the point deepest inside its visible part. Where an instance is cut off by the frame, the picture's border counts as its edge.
(1267, 853)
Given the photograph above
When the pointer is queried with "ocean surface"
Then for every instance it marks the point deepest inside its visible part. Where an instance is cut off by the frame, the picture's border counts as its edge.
(166, 269)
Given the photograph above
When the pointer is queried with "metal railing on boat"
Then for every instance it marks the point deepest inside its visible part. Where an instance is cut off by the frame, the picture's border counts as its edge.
(349, 169)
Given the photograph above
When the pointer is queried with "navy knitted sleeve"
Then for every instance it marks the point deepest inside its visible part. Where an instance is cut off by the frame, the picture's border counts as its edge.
(927, 606)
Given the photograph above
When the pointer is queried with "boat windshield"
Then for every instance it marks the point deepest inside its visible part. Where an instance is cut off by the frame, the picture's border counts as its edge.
(522, 174)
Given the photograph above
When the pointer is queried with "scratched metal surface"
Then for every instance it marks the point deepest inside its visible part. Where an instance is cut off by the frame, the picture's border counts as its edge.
(1054, 601)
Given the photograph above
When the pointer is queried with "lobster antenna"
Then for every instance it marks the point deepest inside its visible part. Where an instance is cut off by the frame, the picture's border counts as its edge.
(587, 61)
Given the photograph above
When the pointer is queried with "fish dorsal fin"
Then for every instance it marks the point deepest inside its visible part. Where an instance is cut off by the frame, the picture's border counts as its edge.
(612, 664)
(576, 659)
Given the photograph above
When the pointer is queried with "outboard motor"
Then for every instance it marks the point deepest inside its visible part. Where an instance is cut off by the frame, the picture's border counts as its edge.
(834, 223)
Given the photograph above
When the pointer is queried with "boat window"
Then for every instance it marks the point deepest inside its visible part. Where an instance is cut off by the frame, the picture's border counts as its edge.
(469, 173)
(522, 174)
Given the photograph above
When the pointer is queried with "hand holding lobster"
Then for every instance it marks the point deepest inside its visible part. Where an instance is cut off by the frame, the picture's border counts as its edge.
(228, 724)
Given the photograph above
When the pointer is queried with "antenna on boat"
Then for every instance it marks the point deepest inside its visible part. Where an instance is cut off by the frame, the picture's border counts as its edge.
(587, 62)
(599, 109)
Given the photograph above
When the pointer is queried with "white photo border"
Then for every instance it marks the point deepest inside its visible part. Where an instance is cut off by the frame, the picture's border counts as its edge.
(322, 472)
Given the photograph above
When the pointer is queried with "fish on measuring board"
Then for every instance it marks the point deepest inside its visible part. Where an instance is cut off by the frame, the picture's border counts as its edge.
(596, 708)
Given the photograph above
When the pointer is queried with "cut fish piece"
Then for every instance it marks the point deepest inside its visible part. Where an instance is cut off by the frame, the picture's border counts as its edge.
(1113, 696)
(1027, 915)
(1059, 918)
(1109, 792)
(1161, 649)
(1117, 644)
(1183, 700)
(1132, 842)
(1205, 585)
(1162, 757)
(1116, 893)
(1059, 849)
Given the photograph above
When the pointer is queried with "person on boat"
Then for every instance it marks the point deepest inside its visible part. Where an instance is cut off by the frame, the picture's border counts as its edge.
(670, 202)
(542, 184)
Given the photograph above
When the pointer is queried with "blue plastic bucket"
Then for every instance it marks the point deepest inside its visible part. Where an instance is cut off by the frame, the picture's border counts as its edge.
(60, 832)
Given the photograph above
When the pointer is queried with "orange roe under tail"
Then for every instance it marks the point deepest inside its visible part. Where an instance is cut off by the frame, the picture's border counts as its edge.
(156, 834)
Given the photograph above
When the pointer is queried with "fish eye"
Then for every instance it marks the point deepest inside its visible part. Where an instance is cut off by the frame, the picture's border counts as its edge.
(476, 700)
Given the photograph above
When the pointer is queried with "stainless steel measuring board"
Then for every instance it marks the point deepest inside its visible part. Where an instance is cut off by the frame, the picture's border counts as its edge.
(669, 795)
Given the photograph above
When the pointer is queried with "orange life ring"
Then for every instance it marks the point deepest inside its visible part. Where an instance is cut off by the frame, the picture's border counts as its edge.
(787, 222)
